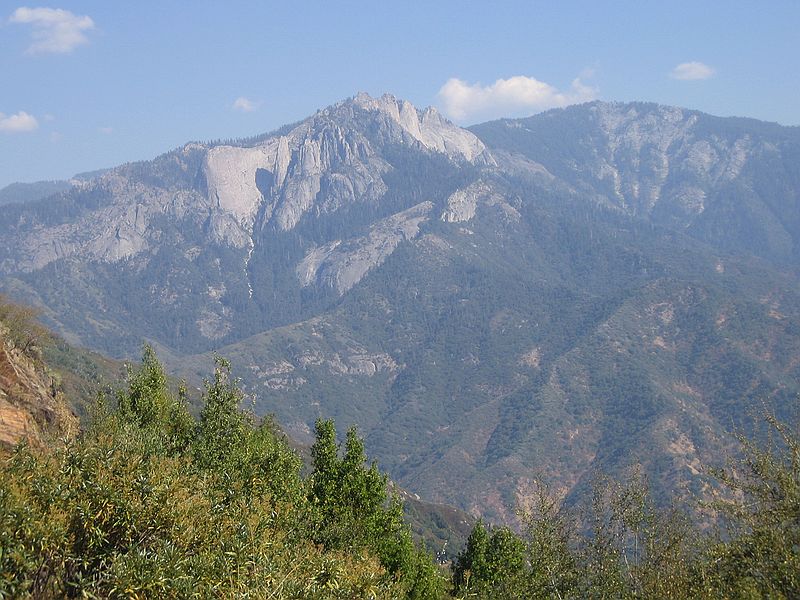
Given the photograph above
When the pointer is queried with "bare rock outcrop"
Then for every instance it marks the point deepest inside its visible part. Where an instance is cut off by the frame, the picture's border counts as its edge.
(654, 155)
(341, 265)
(428, 126)
(31, 406)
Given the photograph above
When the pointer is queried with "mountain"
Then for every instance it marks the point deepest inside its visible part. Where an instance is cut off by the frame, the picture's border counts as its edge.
(584, 290)
(732, 183)
(39, 190)
(30, 192)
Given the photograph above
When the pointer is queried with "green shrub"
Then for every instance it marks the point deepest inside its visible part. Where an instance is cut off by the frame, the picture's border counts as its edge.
(623, 546)
(148, 502)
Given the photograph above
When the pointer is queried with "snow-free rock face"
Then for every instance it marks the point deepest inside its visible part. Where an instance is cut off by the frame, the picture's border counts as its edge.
(462, 204)
(428, 126)
(327, 162)
(31, 406)
(322, 164)
(653, 155)
(341, 266)
(231, 175)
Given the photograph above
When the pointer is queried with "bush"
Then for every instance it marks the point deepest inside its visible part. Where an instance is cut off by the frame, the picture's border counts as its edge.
(22, 328)
(623, 546)
(148, 502)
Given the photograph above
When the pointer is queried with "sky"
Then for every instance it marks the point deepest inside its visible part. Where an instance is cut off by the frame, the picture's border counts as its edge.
(91, 84)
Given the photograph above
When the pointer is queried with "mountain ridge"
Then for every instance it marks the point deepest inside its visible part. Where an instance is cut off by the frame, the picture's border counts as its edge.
(529, 295)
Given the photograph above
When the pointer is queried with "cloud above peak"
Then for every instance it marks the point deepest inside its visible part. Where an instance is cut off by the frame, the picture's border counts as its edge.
(17, 123)
(55, 30)
(243, 104)
(515, 96)
(691, 71)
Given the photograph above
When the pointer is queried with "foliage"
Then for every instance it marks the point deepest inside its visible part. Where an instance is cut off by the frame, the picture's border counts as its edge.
(355, 512)
(492, 564)
(549, 533)
(149, 502)
(22, 327)
(761, 551)
(623, 546)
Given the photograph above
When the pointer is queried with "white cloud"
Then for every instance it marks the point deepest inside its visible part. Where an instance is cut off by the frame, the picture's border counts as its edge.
(691, 71)
(245, 104)
(515, 96)
(55, 30)
(106, 130)
(18, 123)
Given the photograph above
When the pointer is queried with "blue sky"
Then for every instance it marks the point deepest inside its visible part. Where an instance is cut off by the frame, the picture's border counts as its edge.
(92, 84)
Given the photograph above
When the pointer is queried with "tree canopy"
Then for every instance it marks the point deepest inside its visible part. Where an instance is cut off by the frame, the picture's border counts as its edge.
(150, 502)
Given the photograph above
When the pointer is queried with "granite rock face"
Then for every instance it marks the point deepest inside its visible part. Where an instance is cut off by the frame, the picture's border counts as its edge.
(463, 204)
(342, 265)
(655, 155)
(428, 127)
(327, 162)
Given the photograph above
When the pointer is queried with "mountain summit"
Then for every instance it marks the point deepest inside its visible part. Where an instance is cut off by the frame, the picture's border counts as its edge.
(589, 288)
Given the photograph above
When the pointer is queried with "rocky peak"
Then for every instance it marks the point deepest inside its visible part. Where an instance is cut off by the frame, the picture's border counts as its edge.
(332, 159)
(337, 150)
(426, 126)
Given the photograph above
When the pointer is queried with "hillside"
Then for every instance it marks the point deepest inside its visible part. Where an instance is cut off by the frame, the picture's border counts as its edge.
(33, 409)
(48, 390)
(583, 290)
(153, 501)
(149, 500)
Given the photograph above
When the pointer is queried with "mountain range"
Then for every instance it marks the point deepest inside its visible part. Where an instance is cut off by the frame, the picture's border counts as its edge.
(582, 291)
